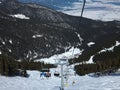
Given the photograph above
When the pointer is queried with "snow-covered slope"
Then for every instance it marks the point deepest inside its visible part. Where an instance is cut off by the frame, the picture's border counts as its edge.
(34, 82)
(20, 16)
(104, 50)
(111, 48)
(34, 31)
(71, 53)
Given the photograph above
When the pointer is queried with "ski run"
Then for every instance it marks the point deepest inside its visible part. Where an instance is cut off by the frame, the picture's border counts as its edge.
(34, 82)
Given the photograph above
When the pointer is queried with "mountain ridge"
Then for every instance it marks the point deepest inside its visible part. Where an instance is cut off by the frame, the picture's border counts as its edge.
(48, 32)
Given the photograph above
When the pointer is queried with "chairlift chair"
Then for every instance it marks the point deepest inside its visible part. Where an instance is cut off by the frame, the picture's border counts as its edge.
(45, 72)
(56, 73)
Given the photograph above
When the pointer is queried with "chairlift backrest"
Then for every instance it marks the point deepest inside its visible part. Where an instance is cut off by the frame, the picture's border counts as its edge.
(56, 73)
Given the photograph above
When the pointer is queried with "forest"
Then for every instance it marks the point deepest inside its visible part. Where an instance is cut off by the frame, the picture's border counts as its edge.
(11, 67)
(104, 62)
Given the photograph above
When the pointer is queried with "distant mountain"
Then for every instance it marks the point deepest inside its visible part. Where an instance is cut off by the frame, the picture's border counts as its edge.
(105, 10)
(55, 4)
(30, 31)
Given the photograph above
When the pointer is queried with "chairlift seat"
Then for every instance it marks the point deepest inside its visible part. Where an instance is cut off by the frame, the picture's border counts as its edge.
(45, 72)
(56, 74)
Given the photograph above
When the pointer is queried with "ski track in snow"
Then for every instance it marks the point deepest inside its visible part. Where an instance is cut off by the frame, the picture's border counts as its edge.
(104, 50)
(111, 48)
(80, 38)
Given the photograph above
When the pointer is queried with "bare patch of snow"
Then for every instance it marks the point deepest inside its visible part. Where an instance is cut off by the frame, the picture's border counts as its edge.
(20, 16)
(117, 43)
(3, 42)
(29, 54)
(37, 36)
(68, 55)
(80, 39)
(35, 55)
(90, 44)
(90, 60)
(47, 45)
(10, 41)
(0, 52)
(9, 50)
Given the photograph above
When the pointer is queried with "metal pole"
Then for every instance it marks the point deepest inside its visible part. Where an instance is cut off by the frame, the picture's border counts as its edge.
(84, 1)
(62, 78)
(67, 77)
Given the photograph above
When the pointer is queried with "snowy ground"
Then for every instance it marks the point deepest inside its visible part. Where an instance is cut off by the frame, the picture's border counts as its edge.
(20, 16)
(34, 82)
(71, 53)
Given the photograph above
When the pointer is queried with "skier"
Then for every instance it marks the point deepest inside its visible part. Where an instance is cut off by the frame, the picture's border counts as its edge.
(73, 83)
(42, 75)
(48, 74)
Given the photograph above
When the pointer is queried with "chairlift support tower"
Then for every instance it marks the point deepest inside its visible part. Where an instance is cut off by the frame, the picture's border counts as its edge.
(62, 62)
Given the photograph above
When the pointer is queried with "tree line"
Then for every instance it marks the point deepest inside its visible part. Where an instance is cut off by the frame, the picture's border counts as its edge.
(11, 67)
(103, 62)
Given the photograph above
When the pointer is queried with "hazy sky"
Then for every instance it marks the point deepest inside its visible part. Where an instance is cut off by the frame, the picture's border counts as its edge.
(105, 10)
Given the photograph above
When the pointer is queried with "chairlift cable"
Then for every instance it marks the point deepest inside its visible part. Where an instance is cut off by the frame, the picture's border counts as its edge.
(84, 1)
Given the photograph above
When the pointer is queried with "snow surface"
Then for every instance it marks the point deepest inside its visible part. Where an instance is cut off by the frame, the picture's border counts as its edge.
(3, 42)
(20, 16)
(90, 60)
(0, 52)
(105, 10)
(73, 52)
(10, 41)
(34, 82)
(35, 36)
(80, 38)
(9, 50)
(90, 44)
